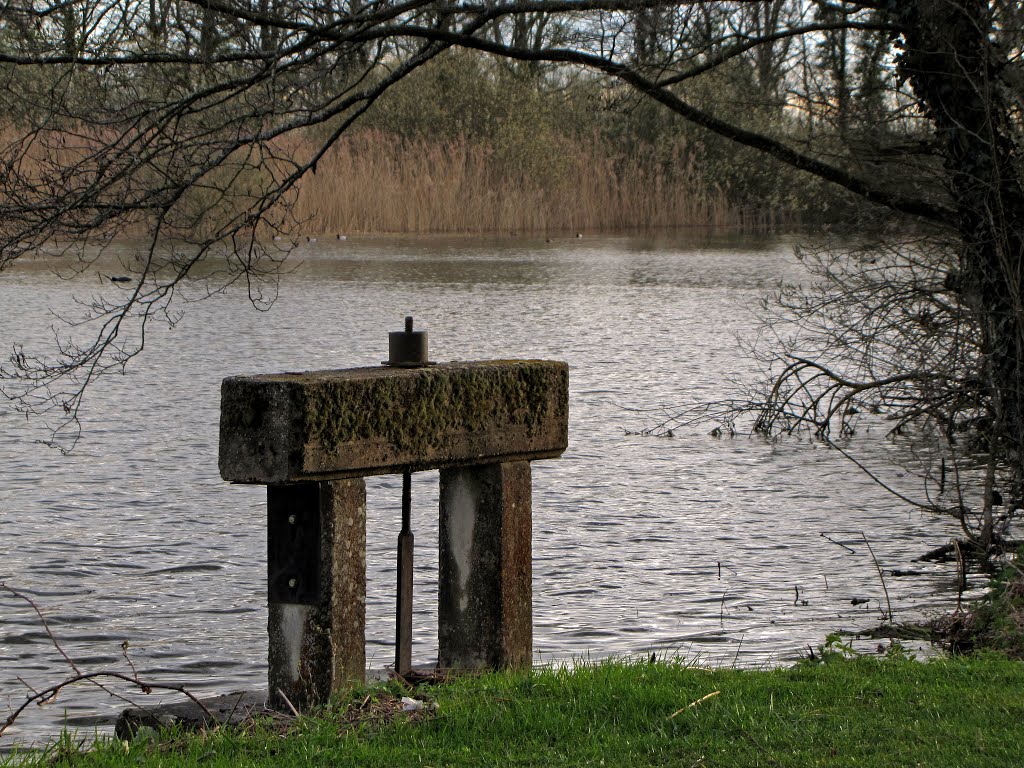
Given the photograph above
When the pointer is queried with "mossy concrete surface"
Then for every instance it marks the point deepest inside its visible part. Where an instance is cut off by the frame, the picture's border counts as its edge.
(294, 427)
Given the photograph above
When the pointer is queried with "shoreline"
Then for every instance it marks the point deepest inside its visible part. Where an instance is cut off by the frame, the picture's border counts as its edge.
(838, 710)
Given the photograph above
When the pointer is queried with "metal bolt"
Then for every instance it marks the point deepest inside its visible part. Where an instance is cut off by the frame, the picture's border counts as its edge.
(407, 349)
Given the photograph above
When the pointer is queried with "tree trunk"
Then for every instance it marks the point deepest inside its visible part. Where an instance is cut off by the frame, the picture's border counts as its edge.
(952, 66)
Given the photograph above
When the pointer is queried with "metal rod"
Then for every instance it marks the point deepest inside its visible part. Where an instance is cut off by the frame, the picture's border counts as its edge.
(403, 611)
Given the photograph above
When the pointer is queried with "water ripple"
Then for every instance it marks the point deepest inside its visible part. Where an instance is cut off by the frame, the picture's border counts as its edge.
(690, 545)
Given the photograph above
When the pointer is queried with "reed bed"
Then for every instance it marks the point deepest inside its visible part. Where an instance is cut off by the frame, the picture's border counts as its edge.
(98, 182)
(372, 181)
(376, 181)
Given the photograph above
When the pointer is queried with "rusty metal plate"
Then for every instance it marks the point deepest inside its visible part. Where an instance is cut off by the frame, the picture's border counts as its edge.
(293, 543)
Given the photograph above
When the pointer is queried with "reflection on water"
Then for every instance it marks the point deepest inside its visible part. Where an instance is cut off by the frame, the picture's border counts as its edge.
(693, 545)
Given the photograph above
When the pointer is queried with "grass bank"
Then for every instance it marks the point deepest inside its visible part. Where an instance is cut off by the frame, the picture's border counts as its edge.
(994, 622)
(965, 711)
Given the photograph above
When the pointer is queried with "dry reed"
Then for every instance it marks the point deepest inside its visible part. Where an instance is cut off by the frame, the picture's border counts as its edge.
(372, 182)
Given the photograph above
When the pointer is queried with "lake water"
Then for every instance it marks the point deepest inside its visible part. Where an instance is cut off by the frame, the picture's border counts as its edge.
(688, 545)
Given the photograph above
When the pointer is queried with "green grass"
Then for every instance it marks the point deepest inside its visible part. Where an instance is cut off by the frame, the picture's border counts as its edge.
(862, 712)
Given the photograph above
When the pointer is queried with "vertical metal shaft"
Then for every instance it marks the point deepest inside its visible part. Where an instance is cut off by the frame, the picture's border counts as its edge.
(403, 624)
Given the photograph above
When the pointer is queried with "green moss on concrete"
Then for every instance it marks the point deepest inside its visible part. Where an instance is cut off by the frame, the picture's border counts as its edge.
(414, 410)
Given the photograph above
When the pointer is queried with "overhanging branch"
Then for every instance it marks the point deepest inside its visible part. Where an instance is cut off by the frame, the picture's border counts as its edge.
(933, 212)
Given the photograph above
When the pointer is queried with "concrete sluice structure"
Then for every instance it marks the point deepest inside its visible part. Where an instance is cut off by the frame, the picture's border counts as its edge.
(312, 437)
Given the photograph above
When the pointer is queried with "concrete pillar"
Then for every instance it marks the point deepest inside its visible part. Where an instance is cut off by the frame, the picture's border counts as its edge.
(485, 613)
(316, 577)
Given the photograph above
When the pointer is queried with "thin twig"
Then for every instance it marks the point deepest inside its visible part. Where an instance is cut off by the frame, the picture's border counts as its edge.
(234, 708)
(873, 476)
(124, 653)
(881, 576)
(288, 702)
(961, 575)
(46, 695)
(736, 657)
(851, 550)
(22, 680)
(146, 687)
(693, 704)
(42, 620)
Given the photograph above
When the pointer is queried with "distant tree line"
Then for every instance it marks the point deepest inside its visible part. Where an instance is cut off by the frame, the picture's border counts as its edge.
(829, 86)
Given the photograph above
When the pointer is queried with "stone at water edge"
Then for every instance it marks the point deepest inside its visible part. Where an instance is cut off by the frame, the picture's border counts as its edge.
(227, 709)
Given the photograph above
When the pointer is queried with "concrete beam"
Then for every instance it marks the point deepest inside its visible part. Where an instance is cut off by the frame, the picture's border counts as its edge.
(300, 427)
